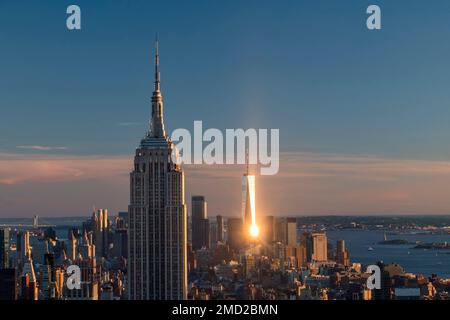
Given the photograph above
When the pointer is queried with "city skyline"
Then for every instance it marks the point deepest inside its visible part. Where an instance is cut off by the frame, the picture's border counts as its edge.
(357, 115)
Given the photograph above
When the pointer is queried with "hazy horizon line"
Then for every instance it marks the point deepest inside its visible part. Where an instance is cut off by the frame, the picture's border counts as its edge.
(266, 215)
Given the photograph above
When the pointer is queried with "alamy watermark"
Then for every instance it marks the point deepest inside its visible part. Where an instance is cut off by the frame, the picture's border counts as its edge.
(236, 146)
(73, 20)
(374, 280)
(74, 277)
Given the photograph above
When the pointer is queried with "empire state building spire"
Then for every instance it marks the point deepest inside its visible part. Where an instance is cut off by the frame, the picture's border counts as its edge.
(157, 73)
(157, 121)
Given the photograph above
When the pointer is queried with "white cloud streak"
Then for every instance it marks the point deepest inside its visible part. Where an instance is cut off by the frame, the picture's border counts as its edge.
(41, 148)
(309, 183)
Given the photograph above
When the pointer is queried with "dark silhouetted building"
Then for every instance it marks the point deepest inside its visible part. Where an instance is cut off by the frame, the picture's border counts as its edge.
(269, 229)
(235, 233)
(4, 248)
(200, 223)
(8, 284)
(307, 242)
(384, 293)
(220, 229)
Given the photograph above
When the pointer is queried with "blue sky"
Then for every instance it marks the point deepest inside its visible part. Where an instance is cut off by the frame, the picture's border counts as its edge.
(310, 68)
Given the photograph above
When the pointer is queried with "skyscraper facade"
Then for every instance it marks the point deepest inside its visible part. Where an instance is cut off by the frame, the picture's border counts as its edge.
(4, 248)
(235, 233)
(269, 229)
(319, 244)
(291, 231)
(23, 246)
(200, 223)
(220, 228)
(72, 246)
(307, 243)
(286, 231)
(101, 231)
(342, 256)
(157, 246)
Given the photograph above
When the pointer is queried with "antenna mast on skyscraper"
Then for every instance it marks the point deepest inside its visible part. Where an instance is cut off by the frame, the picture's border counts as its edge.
(246, 159)
(157, 73)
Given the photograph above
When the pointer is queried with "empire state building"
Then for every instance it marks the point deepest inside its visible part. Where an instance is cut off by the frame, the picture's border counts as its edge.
(157, 246)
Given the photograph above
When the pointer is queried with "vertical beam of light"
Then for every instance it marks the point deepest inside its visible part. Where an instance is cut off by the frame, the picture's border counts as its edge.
(254, 230)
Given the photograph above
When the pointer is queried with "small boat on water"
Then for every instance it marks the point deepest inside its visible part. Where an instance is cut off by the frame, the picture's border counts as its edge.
(370, 249)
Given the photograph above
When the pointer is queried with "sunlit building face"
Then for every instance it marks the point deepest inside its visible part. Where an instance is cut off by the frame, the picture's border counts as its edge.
(254, 230)
(249, 205)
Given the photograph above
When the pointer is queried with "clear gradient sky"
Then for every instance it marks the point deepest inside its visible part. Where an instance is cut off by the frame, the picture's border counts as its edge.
(363, 115)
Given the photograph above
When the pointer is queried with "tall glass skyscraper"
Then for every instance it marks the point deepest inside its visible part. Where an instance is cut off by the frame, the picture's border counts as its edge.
(248, 202)
(157, 246)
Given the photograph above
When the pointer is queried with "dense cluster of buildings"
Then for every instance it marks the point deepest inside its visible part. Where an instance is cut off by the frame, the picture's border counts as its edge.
(288, 263)
(35, 262)
(283, 263)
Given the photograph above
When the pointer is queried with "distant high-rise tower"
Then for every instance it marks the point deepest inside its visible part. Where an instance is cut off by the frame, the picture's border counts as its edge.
(291, 231)
(47, 277)
(24, 246)
(319, 247)
(200, 223)
(157, 246)
(101, 231)
(342, 256)
(220, 229)
(4, 248)
(248, 200)
(72, 246)
(235, 233)
(286, 231)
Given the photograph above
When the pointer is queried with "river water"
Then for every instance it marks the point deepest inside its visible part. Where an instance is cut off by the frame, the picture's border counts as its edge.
(418, 261)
